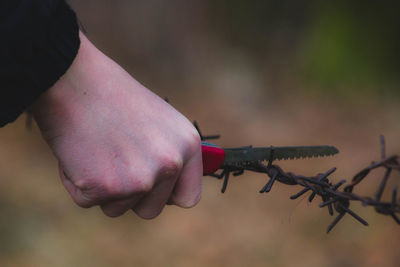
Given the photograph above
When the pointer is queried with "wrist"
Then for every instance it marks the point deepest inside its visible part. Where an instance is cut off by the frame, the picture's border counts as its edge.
(57, 104)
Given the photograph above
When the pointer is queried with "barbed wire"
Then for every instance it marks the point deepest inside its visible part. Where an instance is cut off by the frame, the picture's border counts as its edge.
(320, 185)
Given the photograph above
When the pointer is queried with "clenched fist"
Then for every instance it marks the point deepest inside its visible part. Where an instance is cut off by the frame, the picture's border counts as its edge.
(118, 145)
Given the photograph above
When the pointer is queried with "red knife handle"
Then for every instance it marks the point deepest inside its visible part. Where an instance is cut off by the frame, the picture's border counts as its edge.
(213, 157)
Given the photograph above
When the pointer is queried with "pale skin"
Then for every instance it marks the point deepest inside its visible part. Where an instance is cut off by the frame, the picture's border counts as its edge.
(119, 145)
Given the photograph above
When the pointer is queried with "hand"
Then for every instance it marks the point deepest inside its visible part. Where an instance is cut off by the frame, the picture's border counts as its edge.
(118, 144)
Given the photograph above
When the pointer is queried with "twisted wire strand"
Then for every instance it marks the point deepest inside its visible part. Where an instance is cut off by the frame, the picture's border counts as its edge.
(320, 185)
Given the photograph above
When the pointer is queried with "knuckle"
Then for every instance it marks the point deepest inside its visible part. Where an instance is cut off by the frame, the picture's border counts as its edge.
(143, 185)
(83, 184)
(79, 195)
(138, 180)
(193, 139)
(170, 164)
(110, 188)
(107, 187)
(132, 182)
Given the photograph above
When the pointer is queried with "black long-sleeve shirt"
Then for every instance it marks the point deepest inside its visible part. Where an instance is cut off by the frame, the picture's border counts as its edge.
(39, 41)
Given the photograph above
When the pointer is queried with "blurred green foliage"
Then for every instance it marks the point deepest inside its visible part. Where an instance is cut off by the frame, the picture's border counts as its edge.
(339, 47)
(353, 45)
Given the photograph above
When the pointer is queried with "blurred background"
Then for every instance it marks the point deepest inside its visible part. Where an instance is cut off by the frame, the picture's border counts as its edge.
(257, 72)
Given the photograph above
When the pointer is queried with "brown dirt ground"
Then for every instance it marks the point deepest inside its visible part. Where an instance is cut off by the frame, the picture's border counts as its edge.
(41, 226)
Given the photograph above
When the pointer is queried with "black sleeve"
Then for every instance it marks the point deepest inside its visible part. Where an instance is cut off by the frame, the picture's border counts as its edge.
(39, 39)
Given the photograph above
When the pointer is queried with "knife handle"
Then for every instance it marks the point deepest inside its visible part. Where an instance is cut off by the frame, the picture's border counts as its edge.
(213, 157)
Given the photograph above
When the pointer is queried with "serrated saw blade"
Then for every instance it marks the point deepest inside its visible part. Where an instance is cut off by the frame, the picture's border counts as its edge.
(251, 154)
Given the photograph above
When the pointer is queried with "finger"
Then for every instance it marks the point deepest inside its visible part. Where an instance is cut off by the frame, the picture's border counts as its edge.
(77, 195)
(187, 191)
(119, 207)
(153, 203)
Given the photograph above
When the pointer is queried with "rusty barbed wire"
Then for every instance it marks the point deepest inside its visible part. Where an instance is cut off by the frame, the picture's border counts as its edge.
(321, 186)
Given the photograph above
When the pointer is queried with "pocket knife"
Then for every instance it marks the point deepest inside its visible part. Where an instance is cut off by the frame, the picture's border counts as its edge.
(215, 157)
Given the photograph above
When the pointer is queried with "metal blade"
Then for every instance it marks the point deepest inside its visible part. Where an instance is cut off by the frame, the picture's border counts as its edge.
(248, 154)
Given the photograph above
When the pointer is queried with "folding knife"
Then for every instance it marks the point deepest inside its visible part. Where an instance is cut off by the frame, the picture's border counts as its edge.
(215, 158)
